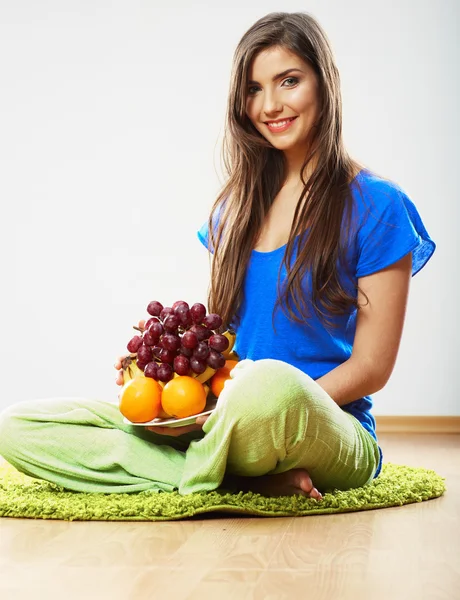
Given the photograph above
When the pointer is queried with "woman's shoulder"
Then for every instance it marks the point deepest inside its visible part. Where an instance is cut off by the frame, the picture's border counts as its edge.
(374, 193)
(374, 184)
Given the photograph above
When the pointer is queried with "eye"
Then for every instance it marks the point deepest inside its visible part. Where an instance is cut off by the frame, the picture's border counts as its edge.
(295, 80)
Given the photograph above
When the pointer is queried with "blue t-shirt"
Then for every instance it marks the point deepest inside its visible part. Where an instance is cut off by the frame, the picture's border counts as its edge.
(388, 226)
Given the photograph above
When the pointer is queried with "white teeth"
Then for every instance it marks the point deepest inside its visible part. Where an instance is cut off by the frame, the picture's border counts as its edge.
(279, 124)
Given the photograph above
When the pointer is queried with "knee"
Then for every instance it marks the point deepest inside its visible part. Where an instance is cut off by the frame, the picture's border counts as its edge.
(267, 387)
(14, 423)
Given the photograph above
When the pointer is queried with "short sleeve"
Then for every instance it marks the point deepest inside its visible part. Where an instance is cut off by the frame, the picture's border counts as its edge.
(390, 228)
(203, 232)
(203, 235)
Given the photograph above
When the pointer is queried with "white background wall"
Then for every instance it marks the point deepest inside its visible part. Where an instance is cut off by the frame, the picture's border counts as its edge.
(112, 116)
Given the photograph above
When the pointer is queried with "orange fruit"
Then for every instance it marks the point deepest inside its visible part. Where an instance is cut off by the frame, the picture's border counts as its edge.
(220, 377)
(140, 399)
(183, 396)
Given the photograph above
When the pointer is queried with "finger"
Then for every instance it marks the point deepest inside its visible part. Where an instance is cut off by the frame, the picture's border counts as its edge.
(202, 419)
(173, 431)
(141, 324)
(119, 362)
(119, 379)
(159, 430)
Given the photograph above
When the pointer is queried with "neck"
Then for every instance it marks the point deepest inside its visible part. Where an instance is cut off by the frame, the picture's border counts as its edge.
(294, 167)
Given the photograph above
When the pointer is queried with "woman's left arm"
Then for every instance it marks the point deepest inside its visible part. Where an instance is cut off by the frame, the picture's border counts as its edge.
(379, 326)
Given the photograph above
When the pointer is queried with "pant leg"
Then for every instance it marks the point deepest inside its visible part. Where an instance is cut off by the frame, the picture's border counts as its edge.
(271, 417)
(84, 445)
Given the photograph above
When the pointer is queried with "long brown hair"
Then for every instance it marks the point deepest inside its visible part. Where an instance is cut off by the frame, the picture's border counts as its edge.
(256, 172)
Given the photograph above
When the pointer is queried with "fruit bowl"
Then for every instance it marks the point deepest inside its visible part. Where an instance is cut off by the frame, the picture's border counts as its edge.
(176, 367)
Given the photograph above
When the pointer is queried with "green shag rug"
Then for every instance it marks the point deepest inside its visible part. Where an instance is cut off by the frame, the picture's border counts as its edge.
(26, 497)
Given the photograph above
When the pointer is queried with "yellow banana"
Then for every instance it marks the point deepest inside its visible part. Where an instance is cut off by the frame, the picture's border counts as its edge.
(130, 369)
(231, 337)
(207, 374)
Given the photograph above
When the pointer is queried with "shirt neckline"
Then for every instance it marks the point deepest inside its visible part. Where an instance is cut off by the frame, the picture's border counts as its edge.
(277, 250)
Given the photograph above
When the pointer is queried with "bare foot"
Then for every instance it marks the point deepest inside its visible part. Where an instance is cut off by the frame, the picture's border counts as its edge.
(293, 482)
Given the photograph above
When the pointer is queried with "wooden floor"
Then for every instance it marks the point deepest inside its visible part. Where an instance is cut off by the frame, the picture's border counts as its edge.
(409, 552)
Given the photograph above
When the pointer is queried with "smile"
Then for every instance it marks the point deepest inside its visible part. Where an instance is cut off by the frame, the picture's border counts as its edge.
(281, 125)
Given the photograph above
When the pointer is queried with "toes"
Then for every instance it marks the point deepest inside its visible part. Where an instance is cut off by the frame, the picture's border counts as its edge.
(305, 483)
(316, 494)
(303, 480)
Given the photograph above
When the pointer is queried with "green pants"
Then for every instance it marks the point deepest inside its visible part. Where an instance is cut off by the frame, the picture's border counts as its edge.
(270, 418)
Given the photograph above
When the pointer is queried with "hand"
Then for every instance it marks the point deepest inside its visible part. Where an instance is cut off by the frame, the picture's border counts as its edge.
(119, 359)
(176, 431)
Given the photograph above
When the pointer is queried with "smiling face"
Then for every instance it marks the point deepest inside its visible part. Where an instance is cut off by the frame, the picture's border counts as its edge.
(274, 94)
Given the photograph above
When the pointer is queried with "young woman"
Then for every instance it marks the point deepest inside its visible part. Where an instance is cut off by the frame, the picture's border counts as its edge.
(312, 255)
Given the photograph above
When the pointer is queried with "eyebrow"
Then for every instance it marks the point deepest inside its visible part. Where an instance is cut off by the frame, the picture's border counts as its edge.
(276, 77)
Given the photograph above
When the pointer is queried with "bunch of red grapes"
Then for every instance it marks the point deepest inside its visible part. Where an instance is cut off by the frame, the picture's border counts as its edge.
(179, 339)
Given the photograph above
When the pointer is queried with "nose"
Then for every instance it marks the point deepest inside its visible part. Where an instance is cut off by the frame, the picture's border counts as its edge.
(271, 106)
